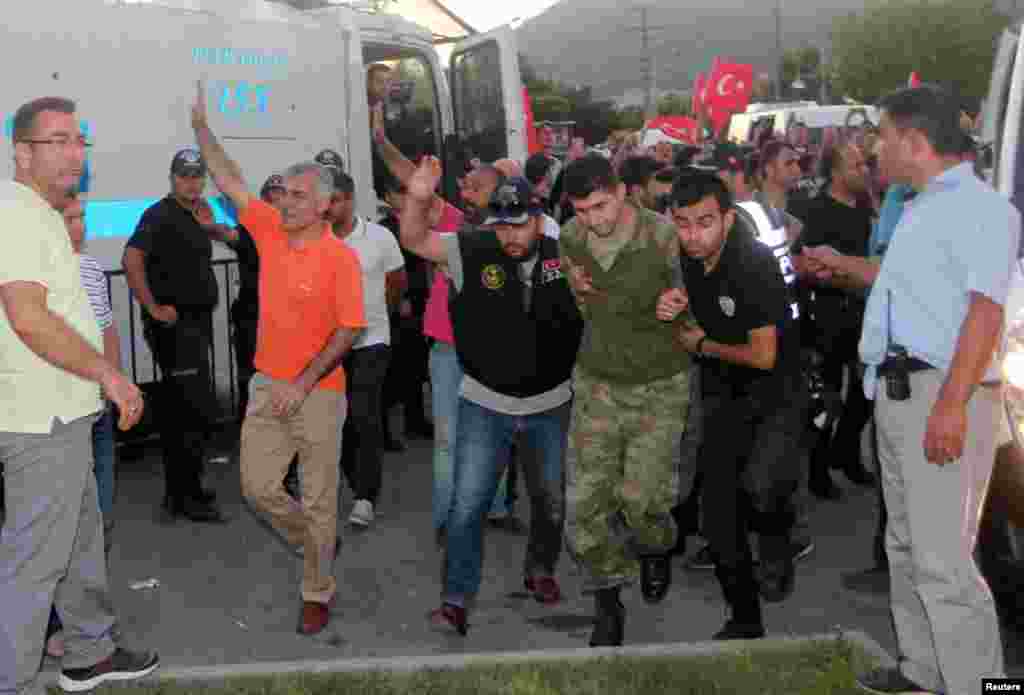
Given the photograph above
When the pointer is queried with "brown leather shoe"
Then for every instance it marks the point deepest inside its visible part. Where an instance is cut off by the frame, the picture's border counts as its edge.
(315, 617)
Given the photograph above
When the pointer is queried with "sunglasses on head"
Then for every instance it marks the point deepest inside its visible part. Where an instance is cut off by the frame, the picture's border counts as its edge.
(506, 202)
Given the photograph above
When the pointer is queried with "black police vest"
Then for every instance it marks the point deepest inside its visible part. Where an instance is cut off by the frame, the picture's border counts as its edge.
(508, 348)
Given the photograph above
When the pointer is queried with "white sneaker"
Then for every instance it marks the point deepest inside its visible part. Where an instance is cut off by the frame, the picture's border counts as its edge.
(362, 513)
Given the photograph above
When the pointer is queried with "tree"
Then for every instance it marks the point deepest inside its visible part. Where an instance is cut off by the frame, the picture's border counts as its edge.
(949, 42)
(674, 105)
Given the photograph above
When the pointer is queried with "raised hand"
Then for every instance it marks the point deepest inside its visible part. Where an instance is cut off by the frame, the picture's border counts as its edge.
(423, 183)
(199, 106)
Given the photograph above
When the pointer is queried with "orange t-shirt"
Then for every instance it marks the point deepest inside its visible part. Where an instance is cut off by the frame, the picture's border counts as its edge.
(306, 294)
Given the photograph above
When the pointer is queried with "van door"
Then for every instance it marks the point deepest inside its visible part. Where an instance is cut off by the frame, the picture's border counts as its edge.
(1001, 120)
(487, 103)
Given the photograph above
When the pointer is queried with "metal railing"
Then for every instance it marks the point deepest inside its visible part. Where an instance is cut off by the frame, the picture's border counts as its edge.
(141, 364)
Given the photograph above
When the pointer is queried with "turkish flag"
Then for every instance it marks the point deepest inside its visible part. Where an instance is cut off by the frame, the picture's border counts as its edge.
(915, 80)
(696, 101)
(532, 141)
(680, 128)
(728, 91)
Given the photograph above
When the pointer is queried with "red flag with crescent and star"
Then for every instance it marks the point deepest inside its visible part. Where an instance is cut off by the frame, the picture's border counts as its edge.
(728, 91)
(696, 102)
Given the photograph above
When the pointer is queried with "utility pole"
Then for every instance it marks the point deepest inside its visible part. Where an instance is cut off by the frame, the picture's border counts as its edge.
(650, 72)
(778, 49)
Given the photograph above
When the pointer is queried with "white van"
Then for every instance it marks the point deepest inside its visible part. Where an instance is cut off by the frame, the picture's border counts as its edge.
(282, 84)
(780, 119)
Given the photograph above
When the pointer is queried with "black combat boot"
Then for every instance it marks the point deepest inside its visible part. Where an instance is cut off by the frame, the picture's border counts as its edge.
(740, 590)
(610, 621)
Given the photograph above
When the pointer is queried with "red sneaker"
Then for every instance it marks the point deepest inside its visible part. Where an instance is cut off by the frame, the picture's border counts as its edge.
(544, 589)
(449, 618)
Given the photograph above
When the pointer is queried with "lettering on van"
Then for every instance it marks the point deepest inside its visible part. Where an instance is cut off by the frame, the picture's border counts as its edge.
(247, 57)
(240, 98)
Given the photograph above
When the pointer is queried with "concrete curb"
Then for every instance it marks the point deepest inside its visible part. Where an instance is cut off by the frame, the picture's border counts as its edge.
(457, 661)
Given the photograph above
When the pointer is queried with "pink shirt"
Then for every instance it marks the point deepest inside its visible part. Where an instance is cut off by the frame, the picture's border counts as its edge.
(437, 324)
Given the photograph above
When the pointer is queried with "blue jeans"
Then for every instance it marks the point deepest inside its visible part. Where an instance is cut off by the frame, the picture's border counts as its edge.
(445, 380)
(482, 449)
(104, 455)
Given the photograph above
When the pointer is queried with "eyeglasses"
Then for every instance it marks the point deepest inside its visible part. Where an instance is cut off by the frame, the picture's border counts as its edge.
(62, 142)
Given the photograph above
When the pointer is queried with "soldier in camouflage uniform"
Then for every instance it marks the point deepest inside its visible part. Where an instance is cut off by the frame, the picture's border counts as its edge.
(631, 395)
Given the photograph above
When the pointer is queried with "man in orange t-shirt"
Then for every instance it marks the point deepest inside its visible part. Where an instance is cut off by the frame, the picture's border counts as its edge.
(310, 312)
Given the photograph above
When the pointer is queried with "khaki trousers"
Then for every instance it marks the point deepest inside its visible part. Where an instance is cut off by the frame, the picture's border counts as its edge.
(268, 445)
(942, 608)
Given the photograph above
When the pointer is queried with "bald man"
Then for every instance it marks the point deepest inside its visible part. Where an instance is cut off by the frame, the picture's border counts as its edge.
(509, 168)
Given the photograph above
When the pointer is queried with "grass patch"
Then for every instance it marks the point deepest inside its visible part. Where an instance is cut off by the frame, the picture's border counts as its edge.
(821, 668)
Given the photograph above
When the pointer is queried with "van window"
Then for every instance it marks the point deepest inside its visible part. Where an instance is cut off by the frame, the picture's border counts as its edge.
(478, 102)
(412, 111)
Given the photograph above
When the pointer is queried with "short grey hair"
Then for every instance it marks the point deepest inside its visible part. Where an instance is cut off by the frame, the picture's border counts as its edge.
(324, 177)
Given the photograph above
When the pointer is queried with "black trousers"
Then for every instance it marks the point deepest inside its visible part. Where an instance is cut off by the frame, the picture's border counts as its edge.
(244, 323)
(186, 405)
(749, 462)
(407, 372)
(838, 344)
(362, 438)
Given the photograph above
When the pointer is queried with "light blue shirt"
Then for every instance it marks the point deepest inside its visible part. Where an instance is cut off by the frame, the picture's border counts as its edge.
(956, 237)
(888, 218)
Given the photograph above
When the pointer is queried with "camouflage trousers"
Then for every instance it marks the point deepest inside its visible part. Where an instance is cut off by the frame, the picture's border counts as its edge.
(622, 475)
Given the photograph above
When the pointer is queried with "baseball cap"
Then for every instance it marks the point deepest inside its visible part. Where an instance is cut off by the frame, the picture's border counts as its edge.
(331, 159)
(512, 203)
(726, 156)
(188, 162)
(274, 181)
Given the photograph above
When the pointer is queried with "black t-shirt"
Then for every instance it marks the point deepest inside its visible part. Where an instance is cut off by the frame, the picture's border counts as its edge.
(417, 270)
(178, 256)
(745, 292)
(832, 223)
(847, 229)
(247, 303)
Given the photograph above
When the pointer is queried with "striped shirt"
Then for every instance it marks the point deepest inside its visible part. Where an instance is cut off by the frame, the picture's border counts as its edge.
(95, 284)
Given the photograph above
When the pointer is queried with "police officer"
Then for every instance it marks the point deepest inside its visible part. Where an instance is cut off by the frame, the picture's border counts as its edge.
(517, 331)
(753, 396)
(168, 266)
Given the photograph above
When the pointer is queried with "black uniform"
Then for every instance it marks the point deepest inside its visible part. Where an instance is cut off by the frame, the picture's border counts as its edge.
(752, 419)
(245, 314)
(179, 273)
(410, 350)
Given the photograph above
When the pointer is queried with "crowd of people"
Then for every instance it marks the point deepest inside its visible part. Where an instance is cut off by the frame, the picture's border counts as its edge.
(665, 345)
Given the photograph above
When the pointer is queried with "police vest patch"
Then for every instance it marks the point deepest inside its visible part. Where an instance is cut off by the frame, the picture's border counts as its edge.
(551, 270)
(728, 305)
(493, 277)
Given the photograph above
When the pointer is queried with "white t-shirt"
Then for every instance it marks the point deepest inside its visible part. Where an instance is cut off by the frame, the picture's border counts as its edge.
(378, 255)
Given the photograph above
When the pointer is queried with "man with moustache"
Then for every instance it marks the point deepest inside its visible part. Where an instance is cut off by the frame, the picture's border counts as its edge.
(517, 331)
(167, 263)
(51, 549)
(840, 218)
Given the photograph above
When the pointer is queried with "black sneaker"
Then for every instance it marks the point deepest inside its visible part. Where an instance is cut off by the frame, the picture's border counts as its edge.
(122, 665)
(889, 681)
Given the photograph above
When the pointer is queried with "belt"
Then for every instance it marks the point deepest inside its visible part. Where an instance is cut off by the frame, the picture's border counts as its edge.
(910, 365)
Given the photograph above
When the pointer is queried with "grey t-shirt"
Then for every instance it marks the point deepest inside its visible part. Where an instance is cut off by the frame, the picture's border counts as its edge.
(475, 392)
